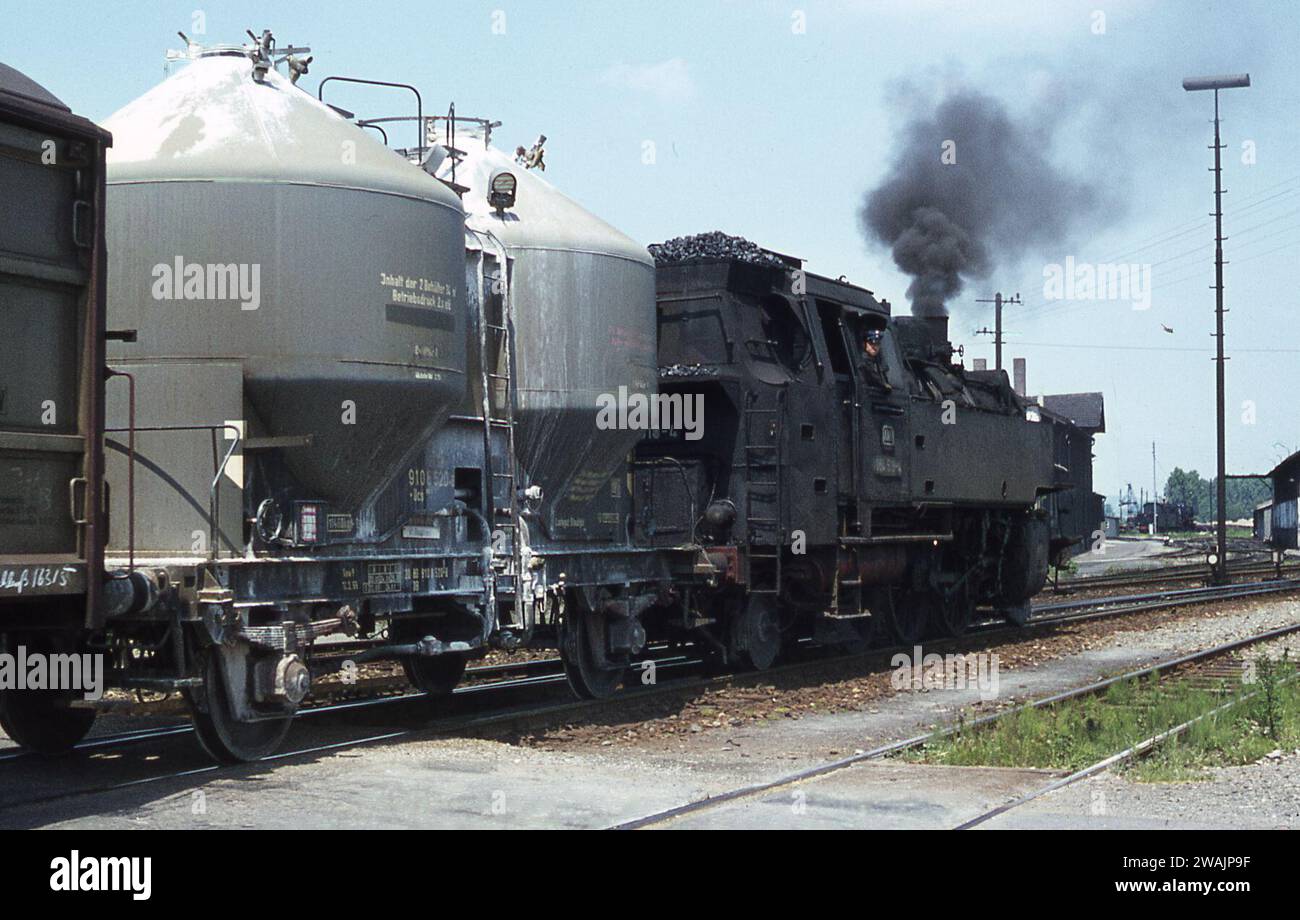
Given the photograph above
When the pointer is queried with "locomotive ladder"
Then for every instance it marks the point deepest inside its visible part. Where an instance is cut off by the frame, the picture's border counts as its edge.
(496, 363)
(764, 516)
(849, 599)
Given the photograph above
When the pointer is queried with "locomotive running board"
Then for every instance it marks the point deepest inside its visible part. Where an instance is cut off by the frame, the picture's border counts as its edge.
(832, 615)
(896, 538)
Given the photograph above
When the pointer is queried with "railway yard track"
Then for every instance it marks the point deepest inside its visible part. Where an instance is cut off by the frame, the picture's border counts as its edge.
(548, 672)
(1197, 662)
(1167, 574)
(523, 695)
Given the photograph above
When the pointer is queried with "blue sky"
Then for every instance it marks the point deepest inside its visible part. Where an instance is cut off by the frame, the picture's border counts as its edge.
(771, 120)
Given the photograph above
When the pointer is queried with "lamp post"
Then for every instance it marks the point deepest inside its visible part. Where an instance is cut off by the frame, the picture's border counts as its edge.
(1196, 84)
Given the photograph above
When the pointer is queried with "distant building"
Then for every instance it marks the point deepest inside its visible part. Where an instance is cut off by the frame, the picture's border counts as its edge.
(1086, 411)
(1275, 520)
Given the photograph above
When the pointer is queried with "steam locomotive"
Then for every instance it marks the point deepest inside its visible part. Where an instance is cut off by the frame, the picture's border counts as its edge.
(1167, 516)
(418, 399)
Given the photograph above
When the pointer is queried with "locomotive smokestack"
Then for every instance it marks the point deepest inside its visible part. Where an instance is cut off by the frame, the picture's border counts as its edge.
(1018, 376)
(970, 187)
(938, 326)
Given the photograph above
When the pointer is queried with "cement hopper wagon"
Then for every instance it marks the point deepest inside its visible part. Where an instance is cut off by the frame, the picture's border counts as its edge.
(289, 314)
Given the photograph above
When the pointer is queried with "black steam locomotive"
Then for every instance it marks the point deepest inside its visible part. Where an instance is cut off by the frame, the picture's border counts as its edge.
(1165, 516)
(851, 477)
(805, 464)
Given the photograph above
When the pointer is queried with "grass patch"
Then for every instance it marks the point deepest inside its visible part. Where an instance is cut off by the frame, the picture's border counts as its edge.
(1234, 533)
(1082, 732)
(1068, 568)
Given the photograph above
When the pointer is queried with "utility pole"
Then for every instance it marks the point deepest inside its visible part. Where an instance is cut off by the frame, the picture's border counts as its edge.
(1194, 84)
(1155, 495)
(999, 302)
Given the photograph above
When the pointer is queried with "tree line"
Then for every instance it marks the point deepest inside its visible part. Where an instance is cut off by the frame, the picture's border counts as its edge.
(1242, 494)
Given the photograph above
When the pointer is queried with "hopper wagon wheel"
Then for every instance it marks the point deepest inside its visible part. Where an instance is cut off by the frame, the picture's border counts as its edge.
(436, 676)
(954, 610)
(911, 616)
(582, 639)
(225, 737)
(43, 721)
(755, 632)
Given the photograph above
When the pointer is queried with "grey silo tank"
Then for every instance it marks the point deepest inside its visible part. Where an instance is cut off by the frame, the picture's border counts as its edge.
(359, 255)
(584, 311)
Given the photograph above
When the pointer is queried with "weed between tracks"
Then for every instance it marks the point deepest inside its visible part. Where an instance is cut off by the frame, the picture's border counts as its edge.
(1081, 732)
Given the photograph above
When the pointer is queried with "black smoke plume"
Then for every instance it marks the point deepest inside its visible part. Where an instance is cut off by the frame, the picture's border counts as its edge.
(949, 223)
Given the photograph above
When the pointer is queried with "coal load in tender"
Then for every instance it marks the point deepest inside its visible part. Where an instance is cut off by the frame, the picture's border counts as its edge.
(715, 245)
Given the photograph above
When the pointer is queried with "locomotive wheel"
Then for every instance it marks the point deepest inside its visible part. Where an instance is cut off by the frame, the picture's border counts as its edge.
(42, 720)
(756, 633)
(911, 616)
(582, 634)
(436, 676)
(955, 613)
(226, 739)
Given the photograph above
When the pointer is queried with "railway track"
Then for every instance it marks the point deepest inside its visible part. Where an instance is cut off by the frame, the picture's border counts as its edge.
(494, 693)
(916, 742)
(1171, 574)
(547, 672)
(1215, 666)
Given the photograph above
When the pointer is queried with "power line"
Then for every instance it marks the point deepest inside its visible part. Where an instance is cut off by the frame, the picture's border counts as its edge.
(1201, 222)
(1169, 348)
(1046, 307)
(1248, 203)
(1050, 307)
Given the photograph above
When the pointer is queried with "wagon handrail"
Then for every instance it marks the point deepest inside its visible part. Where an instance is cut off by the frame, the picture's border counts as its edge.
(419, 100)
(214, 494)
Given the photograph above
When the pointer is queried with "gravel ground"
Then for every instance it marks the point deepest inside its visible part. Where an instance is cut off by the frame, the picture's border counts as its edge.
(862, 686)
(1260, 795)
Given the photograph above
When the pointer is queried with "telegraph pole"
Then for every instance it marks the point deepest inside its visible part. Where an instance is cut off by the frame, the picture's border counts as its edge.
(999, 302)
(1195, 84)
(1155, 495)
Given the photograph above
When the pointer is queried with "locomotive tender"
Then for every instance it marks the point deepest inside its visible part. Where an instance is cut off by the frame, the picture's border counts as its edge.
(355, 396)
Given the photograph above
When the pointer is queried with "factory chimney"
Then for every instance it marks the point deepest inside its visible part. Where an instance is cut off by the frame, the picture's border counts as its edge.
(1018, 376)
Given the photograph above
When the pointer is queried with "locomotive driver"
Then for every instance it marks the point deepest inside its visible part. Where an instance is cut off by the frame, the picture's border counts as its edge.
(872, 362)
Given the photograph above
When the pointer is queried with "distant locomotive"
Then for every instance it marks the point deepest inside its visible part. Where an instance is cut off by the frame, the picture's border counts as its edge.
(368, 393)
(1166, 516)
